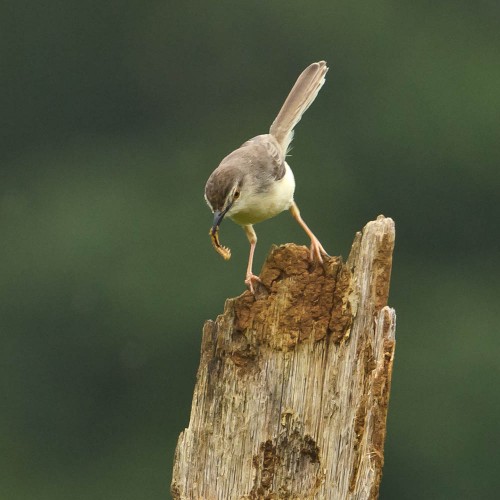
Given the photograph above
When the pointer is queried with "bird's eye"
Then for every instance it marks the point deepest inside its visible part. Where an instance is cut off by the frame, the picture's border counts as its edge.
(236, 195)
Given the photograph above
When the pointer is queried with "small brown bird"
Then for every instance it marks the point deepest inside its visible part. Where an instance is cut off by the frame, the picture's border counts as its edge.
(255, 183)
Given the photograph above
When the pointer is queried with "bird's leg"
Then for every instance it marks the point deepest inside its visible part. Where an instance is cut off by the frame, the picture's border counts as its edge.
(317, 249)
(250, 277)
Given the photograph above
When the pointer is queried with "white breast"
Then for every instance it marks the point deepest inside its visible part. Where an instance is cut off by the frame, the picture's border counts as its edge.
(260, 206)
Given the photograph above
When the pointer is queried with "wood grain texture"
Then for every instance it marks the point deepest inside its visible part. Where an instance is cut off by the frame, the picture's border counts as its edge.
(293, 385)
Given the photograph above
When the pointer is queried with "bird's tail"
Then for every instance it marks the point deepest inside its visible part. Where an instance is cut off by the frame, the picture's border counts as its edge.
(301, 96)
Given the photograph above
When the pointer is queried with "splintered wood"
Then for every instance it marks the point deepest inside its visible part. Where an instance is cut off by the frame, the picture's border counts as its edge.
(293, 385)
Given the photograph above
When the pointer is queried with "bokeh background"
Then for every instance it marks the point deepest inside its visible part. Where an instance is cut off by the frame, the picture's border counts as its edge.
(113, 115)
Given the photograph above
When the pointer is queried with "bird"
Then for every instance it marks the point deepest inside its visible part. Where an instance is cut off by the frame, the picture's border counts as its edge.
(255, 182)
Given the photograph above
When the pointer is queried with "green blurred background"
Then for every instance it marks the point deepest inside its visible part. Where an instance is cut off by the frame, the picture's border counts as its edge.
(114, 114)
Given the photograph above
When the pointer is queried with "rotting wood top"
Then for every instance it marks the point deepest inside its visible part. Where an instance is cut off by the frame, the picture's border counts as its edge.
(293, 385)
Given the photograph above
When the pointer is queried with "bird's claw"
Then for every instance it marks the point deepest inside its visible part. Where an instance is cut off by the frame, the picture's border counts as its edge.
(250, 278)
(317, 251)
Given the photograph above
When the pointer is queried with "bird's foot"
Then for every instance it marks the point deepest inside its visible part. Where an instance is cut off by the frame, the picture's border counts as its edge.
(317, 251)
(250, 279)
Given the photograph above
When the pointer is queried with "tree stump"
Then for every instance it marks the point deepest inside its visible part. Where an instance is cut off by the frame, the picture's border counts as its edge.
(293, 385)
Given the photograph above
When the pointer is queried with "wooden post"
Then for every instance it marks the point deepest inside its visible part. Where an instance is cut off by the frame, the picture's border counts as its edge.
(293, 384)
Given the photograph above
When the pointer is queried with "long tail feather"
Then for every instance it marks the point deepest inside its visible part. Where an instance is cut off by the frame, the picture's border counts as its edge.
(301, 96)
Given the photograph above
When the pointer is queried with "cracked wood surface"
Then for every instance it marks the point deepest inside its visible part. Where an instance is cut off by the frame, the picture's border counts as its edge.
(293, 385)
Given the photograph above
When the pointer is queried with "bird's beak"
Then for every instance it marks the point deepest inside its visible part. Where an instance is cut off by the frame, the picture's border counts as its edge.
(218, 216)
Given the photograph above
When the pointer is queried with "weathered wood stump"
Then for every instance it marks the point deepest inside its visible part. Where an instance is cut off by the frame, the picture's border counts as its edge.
(293, 385)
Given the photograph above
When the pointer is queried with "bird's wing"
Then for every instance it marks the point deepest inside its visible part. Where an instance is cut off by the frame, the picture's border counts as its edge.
(266, 153)
(276, 159)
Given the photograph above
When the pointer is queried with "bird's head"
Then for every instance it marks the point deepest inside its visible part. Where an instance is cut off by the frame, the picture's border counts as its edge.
(222, 193)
